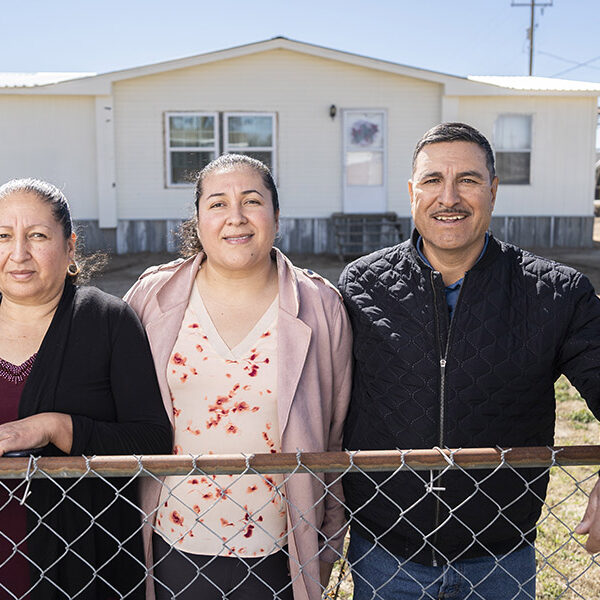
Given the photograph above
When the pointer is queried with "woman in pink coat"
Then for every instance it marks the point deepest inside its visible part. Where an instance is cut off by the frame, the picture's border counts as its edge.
(253, 355)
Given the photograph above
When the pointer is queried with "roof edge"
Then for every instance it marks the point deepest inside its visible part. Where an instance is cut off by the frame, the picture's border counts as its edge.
(454, 85)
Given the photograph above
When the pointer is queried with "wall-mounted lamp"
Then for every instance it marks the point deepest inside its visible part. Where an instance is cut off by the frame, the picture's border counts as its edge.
(333, 111)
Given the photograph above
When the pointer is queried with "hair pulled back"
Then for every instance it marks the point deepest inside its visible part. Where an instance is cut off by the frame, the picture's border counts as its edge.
(55, 198)
(188, 231)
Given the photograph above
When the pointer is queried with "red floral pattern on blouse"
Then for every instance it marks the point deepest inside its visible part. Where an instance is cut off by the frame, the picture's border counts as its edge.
(223, 402)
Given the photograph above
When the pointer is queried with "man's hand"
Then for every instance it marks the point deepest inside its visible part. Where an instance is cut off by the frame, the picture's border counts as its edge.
(590, 523)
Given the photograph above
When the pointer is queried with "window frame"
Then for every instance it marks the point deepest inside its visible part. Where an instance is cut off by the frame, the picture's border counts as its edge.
(498, 150)
(272, 149)
(169, 149)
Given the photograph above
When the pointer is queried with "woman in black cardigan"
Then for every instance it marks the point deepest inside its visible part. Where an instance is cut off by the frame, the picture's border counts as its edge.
(76, 377)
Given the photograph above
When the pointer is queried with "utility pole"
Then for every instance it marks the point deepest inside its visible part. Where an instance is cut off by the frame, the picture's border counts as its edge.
(530, 32)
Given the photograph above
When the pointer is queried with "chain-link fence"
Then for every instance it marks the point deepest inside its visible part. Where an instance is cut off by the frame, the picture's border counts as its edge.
(59, 540)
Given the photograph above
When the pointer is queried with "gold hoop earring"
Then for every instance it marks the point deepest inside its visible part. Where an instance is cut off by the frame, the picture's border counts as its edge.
(73, 269)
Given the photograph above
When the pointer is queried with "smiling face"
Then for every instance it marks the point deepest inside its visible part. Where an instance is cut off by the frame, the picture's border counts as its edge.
(34, 254)
(237, 223)
(452, 198)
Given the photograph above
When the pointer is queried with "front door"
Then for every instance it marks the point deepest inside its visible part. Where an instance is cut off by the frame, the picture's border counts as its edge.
(365, 187)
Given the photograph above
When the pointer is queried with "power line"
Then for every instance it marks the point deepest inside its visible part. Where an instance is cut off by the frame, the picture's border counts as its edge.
(570, 61)
(530, 32)
(577, 66)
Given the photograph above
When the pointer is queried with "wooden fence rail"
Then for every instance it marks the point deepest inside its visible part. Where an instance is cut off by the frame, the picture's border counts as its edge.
(376, 460)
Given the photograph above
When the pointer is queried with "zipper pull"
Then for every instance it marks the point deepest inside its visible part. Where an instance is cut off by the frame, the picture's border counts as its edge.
(443, 363)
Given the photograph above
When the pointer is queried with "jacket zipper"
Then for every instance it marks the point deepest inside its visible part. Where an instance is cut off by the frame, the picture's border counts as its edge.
(443, 363)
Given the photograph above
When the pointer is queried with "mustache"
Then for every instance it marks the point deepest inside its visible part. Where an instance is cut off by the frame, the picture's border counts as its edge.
(454, 212)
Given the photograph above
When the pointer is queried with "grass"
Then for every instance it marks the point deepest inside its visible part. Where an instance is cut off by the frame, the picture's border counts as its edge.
(565, 569)
(582, 415)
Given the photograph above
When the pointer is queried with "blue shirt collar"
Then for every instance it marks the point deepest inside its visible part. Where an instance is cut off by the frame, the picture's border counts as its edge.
(456, 284)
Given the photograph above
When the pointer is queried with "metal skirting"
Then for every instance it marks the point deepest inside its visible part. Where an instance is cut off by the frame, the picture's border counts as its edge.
(318, 235)
(545, 231)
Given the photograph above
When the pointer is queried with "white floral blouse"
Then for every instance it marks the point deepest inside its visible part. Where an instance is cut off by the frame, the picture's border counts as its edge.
(224, 402)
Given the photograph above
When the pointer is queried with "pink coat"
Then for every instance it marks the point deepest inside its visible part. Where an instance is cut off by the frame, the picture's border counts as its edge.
(313, 383)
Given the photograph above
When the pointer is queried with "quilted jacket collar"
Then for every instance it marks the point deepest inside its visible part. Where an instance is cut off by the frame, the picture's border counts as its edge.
(492, 251)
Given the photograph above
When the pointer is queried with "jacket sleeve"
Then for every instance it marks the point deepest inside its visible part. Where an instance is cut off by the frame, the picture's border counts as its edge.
(579, 357)
(141, 425)
(333, 528)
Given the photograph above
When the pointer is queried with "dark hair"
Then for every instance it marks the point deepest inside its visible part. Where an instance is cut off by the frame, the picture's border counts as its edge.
(187, 233)
(457, 132)
(47, 192)
(59, 205)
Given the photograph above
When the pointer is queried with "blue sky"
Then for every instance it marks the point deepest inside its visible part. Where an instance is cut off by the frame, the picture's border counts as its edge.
(462, 37)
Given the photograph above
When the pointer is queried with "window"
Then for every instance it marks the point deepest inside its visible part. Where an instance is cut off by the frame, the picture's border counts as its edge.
(194, 139)
(252, 134)
(192, 142)
(512, 140)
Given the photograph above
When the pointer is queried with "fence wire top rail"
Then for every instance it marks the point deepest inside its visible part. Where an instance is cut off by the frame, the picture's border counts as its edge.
(371, 460)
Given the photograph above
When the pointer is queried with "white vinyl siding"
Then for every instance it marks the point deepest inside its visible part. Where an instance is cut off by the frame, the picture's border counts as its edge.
(562, 152)
(52, 138)
(298, 91)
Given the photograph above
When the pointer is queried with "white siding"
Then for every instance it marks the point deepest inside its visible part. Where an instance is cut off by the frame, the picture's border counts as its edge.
(562, 152)
(52, 138)
(300, 89)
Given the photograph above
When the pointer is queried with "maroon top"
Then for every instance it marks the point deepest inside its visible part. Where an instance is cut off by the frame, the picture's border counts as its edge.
(14, 573)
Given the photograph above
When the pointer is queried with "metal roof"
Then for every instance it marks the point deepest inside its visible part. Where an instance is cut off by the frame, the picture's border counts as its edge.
(538, 84)
(93, 84)
(8, 80)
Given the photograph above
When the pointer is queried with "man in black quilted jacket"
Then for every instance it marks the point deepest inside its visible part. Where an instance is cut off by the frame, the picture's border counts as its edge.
(458, 340)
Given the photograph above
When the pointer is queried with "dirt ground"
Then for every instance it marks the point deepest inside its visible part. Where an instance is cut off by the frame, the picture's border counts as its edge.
(122, 270)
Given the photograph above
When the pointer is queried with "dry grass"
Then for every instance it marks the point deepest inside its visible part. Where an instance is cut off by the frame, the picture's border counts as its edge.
(565, 570)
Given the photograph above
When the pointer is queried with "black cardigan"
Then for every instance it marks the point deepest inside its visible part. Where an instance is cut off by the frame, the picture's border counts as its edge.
(95, 365)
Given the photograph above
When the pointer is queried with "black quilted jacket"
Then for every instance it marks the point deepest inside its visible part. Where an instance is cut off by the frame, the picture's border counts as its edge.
(483, 380)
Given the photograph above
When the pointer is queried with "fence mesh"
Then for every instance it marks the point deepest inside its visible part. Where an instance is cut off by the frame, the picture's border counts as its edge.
(180, 522)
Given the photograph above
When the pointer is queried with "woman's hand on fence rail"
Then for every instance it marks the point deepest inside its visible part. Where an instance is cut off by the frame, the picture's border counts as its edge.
(37, 431)
(590, 524)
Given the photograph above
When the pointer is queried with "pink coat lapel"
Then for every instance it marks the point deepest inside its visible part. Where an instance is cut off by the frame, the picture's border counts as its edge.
(293, 340)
